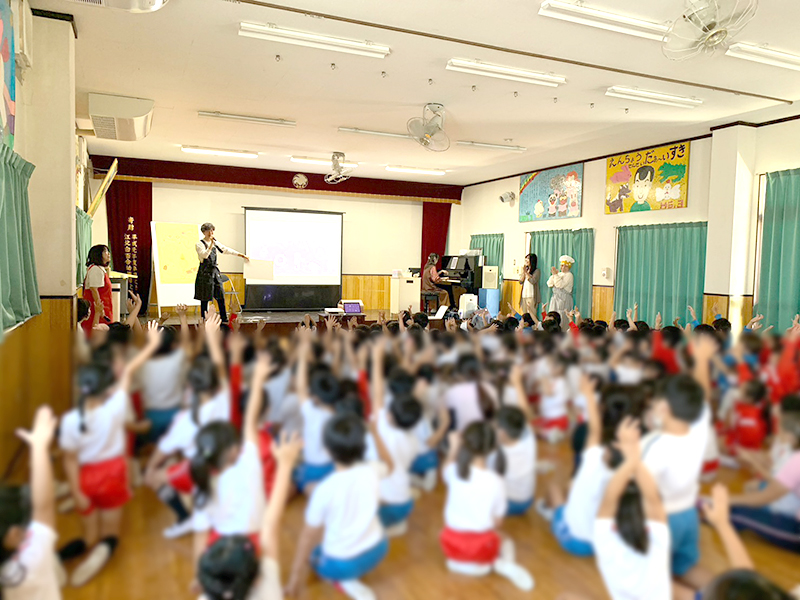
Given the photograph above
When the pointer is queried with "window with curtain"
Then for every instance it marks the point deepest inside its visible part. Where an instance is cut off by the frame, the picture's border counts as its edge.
(779, 271)
(548, 246)
(19, 288)
(492, 246)
(662, 268)
(83, 238)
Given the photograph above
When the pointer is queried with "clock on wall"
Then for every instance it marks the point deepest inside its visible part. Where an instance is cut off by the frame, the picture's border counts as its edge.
(300, 181)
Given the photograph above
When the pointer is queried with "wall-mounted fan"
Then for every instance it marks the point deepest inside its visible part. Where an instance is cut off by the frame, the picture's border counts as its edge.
(338, 173)
(705, 26)
(428, 130)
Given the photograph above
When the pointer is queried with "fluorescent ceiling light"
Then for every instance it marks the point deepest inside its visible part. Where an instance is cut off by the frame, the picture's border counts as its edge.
(492, 146)
(627, 93)
(217, 152)
(246, 119)
(370, 132)
(584, 15)
(321, 161)
(273, 33)
(476, 67)
(415, 171)
(765, 56)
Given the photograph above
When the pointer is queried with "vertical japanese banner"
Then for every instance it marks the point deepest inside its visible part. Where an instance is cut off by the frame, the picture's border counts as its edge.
(129, 207)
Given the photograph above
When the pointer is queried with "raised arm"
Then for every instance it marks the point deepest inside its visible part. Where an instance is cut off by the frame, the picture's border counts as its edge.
(378, 383)
(703, 349)
(624, 473)
(515, 378)
(717, 512)
(152, 344)
(38, 439)
(262, 370)
(301, 375)
(185, 336)
(134, 304)
(286, 454)
(214, 344)
(631, 319)
(592, 411)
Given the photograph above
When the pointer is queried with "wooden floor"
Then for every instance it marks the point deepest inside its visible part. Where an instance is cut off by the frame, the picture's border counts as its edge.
(148, 567)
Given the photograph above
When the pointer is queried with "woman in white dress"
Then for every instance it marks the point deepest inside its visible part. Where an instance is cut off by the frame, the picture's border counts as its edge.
(562, 283)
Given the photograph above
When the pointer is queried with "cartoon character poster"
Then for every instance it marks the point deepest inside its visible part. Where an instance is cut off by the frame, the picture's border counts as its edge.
(653, 179)
(7, 66)
(551, 194)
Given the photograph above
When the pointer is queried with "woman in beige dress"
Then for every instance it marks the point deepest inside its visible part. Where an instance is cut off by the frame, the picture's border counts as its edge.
(529, 278)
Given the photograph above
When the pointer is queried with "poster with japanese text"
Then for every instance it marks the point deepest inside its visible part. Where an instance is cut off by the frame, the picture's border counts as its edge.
(652, 179)
(551, 194)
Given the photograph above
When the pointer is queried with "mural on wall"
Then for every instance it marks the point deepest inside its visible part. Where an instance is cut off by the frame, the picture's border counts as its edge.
(551, 194)
(8, 108)
(653, 179)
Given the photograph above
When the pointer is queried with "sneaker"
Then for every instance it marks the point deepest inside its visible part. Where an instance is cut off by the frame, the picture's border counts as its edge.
(93, 564)
(429, 480)
(61, 574)
(179, 529)
(397, 529)
(515, 574)
(545, 511)
(468, 569)
(507, 550)
(356, 590)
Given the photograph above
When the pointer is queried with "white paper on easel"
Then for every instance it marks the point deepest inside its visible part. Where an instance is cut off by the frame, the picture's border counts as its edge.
(259, 269)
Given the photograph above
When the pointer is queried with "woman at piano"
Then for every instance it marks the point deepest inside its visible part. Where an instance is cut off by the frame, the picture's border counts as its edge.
(431, 277)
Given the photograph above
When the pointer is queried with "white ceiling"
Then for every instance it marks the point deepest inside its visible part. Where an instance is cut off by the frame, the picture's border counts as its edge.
(188, 57)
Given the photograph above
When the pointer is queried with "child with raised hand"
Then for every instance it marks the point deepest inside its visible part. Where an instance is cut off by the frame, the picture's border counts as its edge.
(342, 513)
(28, 569)
(233, 568)
(631, 536)
(92, 437)
(474, 510)
(674, 451)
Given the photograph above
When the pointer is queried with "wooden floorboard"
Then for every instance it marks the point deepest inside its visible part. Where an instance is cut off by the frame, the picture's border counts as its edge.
(148, 567)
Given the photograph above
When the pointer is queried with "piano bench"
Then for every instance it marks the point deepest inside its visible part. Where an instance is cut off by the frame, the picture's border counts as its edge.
(427, 297)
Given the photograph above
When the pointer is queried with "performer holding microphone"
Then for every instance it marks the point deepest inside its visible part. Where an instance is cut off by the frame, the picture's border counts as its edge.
(208, 284)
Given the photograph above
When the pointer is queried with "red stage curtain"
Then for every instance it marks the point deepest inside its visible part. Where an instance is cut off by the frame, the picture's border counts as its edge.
(435, 223)
(129, 206)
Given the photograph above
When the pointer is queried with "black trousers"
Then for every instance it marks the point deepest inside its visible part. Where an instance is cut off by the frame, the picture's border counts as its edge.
(220, 298)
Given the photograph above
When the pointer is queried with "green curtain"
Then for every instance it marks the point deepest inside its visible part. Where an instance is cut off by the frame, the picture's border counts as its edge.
(779, 281)
(549, 246)
(662, 268)
(83, 237)
(19, 289)
(492, 245)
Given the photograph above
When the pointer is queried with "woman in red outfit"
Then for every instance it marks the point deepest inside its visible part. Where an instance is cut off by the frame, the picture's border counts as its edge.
(97, 287)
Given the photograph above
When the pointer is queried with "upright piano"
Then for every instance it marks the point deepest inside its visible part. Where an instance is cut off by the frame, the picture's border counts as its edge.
(463, 270)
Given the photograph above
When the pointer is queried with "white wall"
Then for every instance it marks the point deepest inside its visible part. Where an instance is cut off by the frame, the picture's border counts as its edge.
(379, 235)
(482, 212)
(778, 147)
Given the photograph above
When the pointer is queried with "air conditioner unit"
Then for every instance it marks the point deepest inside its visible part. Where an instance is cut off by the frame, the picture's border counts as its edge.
(134, 6)
(120, 118)
(23, 35)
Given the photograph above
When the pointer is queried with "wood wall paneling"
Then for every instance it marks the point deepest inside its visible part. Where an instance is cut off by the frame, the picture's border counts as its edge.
(512, 291)
(715, 304)
(36, 361)
(602, 302)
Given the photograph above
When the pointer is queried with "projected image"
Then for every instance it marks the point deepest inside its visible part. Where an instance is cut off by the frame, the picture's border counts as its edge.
(304, 248)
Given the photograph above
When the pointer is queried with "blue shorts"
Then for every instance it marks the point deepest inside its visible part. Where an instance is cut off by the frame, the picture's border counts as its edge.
(307, 473)
(392, 514)
(355, 567)
(160, 420)
(684, 529)
(778, 529)
(517, 509)
(569, 543)
(425, 462)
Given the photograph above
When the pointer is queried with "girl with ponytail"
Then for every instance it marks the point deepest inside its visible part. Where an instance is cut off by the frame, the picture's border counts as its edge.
(475, 506)
(93, 437)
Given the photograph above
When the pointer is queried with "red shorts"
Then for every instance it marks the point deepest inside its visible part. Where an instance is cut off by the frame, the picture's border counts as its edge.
(561, 423)
(470, 547)
(180, 478)
(213, 537)
(105, 484)
(710, 466)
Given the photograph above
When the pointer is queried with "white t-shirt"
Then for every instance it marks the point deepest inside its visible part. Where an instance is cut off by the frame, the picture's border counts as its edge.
(314, 420)
(629, 575)
(268, 585)
(287, 413)
(104, 438)
(346, 504)
(95, 277)
(527, 289)
(403, 447)
(463, 400)
(162, 379)
(180, 436)
(586, 493)
(237, 499)
(554, 405)
(473, 504)
(520, 475)
(676, 462)
(35, 563)
(276, 388)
